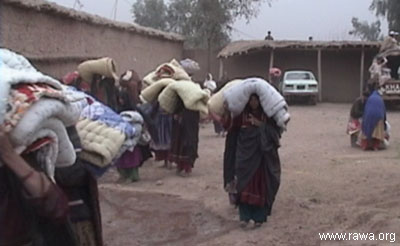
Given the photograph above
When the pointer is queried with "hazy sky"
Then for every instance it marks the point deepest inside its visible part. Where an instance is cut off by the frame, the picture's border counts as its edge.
(287, 19)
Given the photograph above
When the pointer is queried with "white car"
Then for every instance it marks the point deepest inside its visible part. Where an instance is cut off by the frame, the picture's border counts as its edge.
(300, 84)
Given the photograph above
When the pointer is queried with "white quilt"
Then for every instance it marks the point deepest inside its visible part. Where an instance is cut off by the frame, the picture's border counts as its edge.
(15, 69)
(273, 103)
(216, 102)
(45, 118)
(49, 113)
(136, 120)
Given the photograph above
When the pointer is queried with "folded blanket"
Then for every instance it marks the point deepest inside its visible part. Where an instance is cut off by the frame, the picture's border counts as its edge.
(136, 120)
(103, 114)
(22, 97)
(216, 102)
(43, 111)
(274, 105)
(105, 66)
(59, 152)
(47, 118)
(193, 97)
(68, 113)
(151, 93)
(172, 70)
(132, 117)
(36, 109)
(16, 69)
(101, 143)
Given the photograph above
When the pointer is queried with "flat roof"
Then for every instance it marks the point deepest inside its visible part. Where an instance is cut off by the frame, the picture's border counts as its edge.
(246, 46)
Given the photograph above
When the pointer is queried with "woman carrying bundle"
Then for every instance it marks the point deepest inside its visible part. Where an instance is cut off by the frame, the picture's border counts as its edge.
(251, 162)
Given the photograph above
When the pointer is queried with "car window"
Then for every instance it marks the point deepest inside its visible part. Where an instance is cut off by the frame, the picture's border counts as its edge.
(299, 76)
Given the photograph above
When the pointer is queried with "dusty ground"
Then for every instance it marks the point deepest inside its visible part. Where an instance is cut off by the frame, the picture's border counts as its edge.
(327, 186)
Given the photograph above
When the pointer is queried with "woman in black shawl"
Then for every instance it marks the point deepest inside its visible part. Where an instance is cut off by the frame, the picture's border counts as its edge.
(251, 162)
(185, 139)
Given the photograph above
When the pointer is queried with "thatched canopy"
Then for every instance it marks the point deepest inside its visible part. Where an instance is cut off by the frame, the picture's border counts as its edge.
(246, 46)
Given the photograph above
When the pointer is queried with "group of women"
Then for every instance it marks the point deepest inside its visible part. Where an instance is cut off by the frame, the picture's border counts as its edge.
(368, 126)
(41, 212)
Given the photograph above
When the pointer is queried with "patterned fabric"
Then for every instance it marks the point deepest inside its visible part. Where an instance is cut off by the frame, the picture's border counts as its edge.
(32, 101)
(136, 120)
(16, 69)
(22, 97)
(101, 113)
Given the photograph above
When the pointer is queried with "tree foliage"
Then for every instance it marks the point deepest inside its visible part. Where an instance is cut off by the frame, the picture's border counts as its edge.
(204, 23)
(150, 13)
(389, 9)
(365, 31)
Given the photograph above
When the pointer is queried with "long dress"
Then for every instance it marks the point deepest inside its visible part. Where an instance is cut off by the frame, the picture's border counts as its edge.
(185, 139)
(162, 144)
(81, 188)
(253, 165)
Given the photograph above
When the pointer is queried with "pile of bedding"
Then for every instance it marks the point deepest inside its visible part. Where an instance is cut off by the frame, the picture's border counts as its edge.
(36, 110)
(104, 134)
(171, 70)
(168, 84)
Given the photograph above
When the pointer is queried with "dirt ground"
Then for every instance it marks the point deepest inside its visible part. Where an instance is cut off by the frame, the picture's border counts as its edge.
(326, 186)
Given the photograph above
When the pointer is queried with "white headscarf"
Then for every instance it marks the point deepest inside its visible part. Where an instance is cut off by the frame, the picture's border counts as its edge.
(209, 83)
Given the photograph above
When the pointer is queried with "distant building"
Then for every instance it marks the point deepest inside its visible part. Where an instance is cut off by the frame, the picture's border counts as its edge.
(340, 67)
